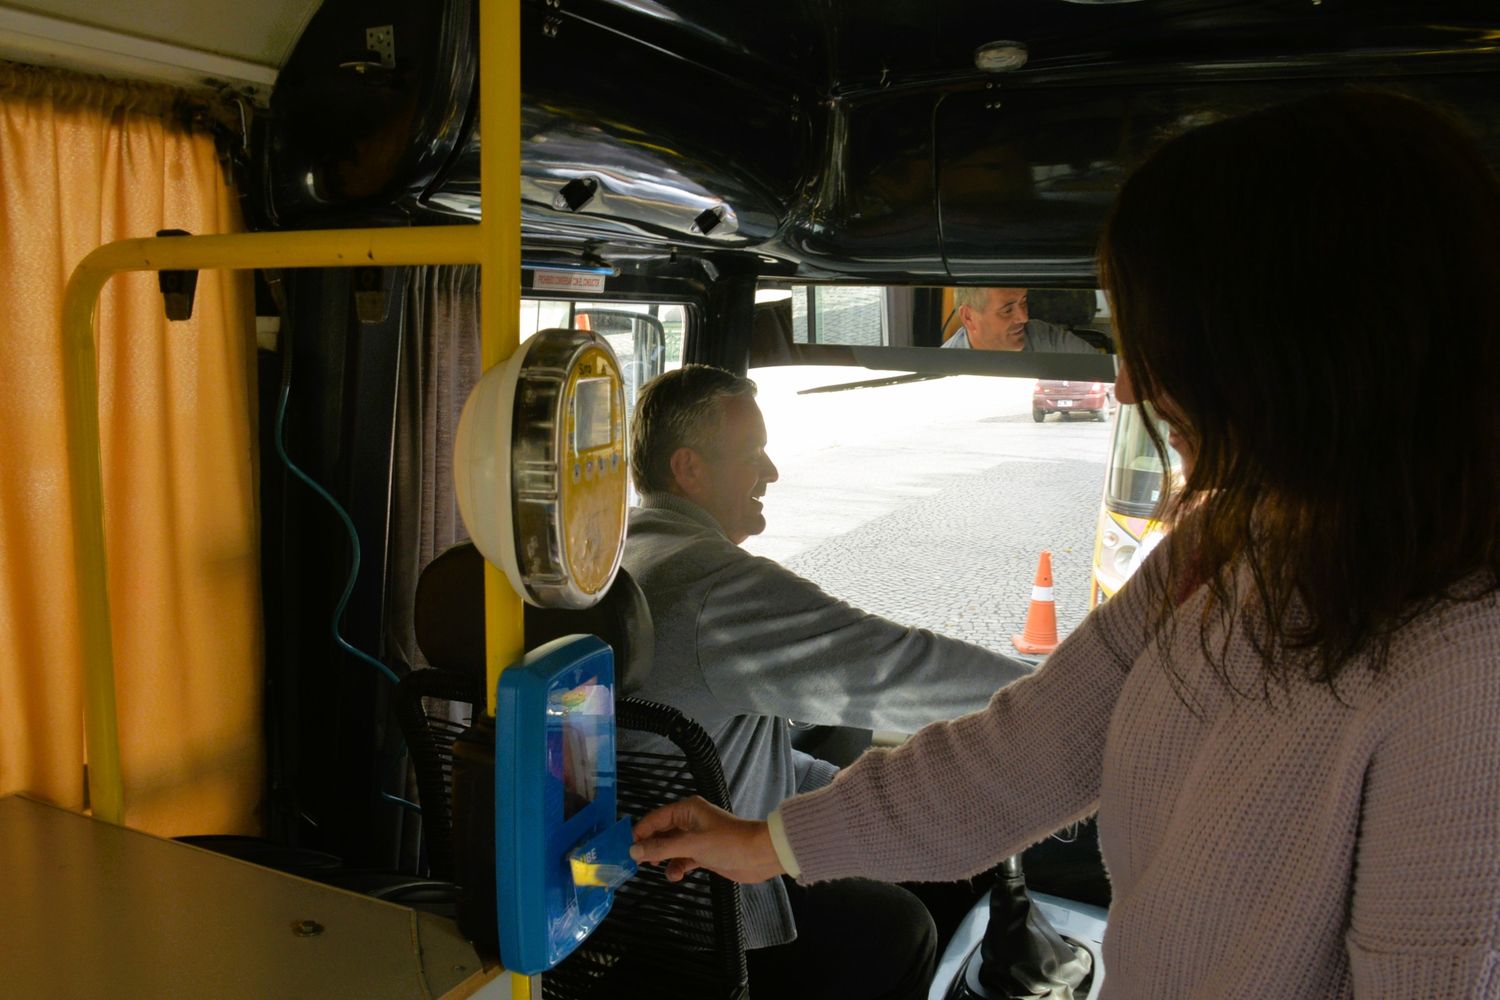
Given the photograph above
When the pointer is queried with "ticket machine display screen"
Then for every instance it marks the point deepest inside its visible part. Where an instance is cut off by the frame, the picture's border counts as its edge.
(593, 413)
(575, 718)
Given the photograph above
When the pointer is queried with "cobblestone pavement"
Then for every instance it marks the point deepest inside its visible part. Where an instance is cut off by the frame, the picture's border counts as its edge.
(932, 501)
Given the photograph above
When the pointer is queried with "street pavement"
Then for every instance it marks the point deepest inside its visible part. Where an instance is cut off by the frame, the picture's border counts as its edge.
(929, 501)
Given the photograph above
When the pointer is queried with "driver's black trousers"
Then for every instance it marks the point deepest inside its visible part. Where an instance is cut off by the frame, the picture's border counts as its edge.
(856, 940)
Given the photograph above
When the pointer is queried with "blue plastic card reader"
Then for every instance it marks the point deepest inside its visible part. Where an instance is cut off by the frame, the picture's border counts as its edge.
(560, 850)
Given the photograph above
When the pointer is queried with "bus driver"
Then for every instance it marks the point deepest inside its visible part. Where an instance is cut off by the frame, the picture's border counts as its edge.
(999, 319)
(743, 644)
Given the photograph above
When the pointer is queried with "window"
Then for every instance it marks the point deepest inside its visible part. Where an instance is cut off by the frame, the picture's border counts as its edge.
(1135, 481)
(646, 337)
(835, 314)
(928, 499)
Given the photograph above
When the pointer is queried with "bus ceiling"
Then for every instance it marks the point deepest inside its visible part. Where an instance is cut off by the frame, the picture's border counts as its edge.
(225, 45)
(828, 140)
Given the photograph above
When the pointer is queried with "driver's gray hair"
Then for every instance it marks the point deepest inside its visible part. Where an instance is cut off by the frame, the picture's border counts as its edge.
(971, 296)
(975, 296)
(678, 409)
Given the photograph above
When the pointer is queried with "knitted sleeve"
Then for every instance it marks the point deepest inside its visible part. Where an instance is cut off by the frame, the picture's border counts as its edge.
(959, 796)
(1426, 898)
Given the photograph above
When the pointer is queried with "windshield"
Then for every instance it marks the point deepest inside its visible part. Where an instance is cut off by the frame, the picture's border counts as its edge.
(1133, 484)
(928, 500)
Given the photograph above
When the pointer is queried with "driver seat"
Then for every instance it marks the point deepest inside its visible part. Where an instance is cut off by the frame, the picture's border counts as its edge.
(661, 940)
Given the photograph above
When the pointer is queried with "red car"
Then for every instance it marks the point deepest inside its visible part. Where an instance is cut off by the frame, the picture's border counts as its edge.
(1056, 396)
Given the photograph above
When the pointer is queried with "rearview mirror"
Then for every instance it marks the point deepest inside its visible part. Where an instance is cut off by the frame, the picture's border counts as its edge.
(1035, 332)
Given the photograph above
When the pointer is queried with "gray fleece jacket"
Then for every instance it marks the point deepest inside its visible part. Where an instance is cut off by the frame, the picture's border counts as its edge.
(743, 645)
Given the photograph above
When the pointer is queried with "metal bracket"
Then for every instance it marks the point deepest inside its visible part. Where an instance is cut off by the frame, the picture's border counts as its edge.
(177, 287)
(371, 300)
(382, 42)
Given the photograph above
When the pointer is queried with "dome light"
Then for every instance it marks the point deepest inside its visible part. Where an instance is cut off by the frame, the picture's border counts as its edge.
(1000, 57)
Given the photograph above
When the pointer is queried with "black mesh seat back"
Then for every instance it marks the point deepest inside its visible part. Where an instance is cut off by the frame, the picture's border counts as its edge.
(621, 618)
(432, 708)
(661, 940)
(449, 619)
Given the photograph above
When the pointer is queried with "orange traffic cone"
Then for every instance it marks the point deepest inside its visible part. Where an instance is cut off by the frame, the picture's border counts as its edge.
(1040, 633)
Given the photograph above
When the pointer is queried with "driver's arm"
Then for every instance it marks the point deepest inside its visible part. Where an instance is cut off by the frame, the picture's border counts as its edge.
(772, 643)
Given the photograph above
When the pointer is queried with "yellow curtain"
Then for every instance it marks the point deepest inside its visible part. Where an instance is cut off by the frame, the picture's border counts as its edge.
(84, 162)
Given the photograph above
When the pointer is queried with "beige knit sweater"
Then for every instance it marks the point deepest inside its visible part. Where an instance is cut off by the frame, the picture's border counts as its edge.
(1290, 845)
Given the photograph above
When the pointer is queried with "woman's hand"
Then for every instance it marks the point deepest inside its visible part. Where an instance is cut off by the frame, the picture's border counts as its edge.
(693, 834)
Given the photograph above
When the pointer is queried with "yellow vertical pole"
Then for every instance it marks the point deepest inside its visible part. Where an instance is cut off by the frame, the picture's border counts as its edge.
(500, 269)
(86, 483)
(500, 299)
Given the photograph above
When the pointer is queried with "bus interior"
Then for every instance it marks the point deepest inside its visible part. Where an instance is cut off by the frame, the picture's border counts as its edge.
(791, 190)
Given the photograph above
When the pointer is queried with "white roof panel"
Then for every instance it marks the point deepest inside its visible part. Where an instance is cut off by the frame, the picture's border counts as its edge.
(242, 44)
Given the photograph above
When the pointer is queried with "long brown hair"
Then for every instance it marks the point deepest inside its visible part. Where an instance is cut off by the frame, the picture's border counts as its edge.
(1316, 288)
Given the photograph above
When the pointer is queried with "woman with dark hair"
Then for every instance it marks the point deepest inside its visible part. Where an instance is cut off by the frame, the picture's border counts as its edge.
(1289, 719)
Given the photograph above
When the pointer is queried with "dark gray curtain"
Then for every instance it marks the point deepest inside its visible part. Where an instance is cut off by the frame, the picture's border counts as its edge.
(439, 365)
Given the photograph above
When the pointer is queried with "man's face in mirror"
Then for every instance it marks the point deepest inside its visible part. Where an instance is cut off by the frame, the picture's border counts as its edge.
(1001, 324)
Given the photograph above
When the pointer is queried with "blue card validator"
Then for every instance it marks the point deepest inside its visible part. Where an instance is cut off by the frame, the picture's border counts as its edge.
(560, 850)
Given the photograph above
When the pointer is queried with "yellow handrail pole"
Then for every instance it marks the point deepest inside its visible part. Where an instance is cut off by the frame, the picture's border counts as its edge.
(309, 248)
(499, 287)
(328, 248)
(500, 302)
